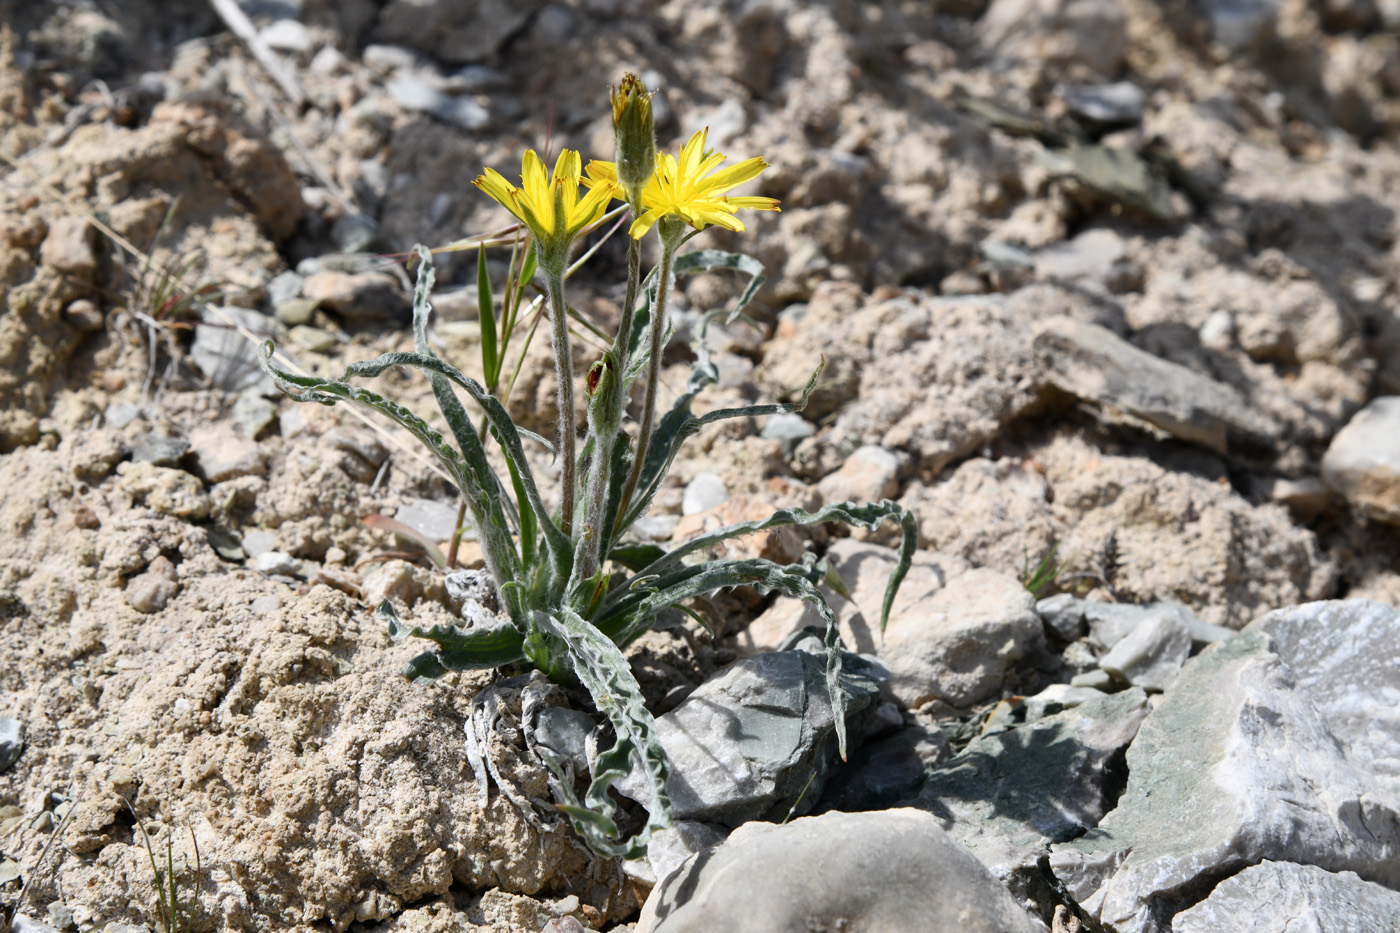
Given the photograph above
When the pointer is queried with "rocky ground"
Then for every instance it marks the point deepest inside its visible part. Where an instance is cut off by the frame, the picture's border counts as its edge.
(1107, 294)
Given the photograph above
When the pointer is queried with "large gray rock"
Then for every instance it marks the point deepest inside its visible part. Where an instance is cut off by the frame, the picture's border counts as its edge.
(1277, 744)
(454, 32)
(891, 871)
(1097, 365)
(1363, 461)
(1280, 897)
(757, 740)
(953, 633)
(1007, 797)
(1088, 32)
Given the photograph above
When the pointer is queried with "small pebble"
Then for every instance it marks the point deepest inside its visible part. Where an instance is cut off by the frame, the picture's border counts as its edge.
(312, 339)
(294, 311)
(121, 414)
(277, 563)
(258, 542)
(150, 592)
(158, 450)
(788, 428)
(254, 414)
(11, 742)
(287, 35)
(655, 527)
(436, 521)
(706, 491)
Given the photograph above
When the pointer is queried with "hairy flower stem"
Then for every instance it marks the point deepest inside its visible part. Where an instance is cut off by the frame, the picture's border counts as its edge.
(564, 373)
(607, 402)
(622, 343)
(672, 232)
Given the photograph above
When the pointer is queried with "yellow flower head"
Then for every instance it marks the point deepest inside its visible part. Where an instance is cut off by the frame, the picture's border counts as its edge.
(550, 207)
(680, 188)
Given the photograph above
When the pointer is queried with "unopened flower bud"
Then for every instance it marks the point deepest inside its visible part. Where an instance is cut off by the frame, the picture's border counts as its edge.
(634, 134)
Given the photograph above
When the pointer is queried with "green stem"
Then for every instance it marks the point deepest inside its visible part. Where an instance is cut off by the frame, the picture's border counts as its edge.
(564, 372)
(604, 427)
(622, 344)
(670, 240)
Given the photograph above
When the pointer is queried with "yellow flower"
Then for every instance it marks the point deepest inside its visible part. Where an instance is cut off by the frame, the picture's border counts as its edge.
(550, 207)
(680, 188)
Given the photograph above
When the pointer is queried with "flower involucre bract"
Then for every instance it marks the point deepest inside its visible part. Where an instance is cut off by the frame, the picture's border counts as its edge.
(550, 207)
(681, 188)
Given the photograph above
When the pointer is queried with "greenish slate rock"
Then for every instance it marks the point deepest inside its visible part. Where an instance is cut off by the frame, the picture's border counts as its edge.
(1115, 174)
(1009, 796)
(1280, 897)
(758, 740)
(1269, 746)
(890, 871)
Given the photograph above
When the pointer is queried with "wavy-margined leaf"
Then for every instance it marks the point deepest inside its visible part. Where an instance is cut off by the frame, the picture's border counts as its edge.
(473, 649)
(709, 260)
(867, 515)
(603, 670)
(556, 542)
(678, 425)
(501, 559)
(630, 616)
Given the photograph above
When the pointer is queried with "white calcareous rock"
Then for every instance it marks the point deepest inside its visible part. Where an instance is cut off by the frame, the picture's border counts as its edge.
(868, 475)
(1277, 744)
(1281, 897)
(953, 632)
(889, 871)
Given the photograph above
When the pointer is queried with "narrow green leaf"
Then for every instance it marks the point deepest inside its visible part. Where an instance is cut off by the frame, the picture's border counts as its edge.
(507, 434)
(678, 425)
(486, 312)
(476, 487)
(636, 556)
(867, 515)
(710, 260)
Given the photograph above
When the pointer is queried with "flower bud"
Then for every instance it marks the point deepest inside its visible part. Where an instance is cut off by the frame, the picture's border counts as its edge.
(634, 134)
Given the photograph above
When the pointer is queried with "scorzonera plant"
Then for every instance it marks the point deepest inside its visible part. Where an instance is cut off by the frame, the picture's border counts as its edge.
(573, 591)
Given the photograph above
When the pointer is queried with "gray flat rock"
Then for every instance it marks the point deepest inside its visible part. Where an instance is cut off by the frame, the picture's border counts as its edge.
(1097, 365)
(891, 871)
(1009, 796)
(757, 740)
(1279, 743)
(1151, 654)
(1281, 897)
